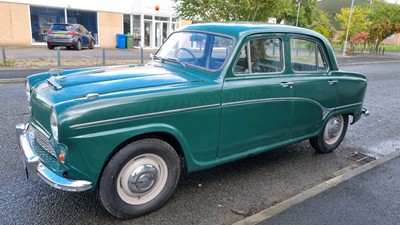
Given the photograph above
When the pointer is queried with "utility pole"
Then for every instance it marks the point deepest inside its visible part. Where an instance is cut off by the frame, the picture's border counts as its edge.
(348, 27)
(298, 12)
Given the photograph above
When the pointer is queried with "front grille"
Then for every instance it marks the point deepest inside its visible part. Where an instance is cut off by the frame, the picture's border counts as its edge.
(40, 139)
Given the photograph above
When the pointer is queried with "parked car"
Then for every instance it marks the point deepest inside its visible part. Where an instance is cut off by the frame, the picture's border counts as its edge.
(69, 35)
(214, 93)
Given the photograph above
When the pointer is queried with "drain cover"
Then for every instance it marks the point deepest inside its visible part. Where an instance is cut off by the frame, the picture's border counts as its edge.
(360, 158)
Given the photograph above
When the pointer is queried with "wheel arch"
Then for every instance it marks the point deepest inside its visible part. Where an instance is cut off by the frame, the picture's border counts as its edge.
(170, 136)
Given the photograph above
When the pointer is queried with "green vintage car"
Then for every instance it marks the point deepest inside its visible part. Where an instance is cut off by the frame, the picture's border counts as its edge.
(213, 93)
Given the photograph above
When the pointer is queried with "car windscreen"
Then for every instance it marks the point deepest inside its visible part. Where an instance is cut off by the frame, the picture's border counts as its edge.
(204, 50)
(62, 27)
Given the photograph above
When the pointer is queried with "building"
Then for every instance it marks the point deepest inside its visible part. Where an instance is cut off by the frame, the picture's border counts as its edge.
(26, 22)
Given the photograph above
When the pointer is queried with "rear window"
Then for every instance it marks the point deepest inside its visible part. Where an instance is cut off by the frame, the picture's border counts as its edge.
(62, 27)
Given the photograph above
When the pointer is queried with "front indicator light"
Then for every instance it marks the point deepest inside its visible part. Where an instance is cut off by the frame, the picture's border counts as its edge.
(61, 157)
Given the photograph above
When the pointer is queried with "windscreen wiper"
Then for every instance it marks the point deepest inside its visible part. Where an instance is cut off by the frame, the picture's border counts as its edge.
(177, 61)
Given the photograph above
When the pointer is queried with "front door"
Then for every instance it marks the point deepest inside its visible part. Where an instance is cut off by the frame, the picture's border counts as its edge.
(257, 99)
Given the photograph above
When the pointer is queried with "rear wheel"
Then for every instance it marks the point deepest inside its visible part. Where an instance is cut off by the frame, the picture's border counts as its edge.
(139, 178)
(78, 45)
(332, 134)
(50, 46)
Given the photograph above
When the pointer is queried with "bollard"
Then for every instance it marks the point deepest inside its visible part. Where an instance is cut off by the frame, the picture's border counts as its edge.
(58, 56)
(141, 55)
(3, 50)
(104, 56)
(383, 50)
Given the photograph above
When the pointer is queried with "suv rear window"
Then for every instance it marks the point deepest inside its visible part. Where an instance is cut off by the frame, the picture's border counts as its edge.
(62, 27)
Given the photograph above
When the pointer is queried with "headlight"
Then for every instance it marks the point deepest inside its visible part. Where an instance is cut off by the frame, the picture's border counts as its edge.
(54, 123)
(28, 90)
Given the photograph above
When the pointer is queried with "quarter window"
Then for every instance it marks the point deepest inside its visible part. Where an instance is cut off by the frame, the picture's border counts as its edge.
(307, 56)
(263, 55)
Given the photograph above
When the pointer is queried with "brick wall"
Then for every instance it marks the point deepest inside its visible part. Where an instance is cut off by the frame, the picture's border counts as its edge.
(110, 24)
(14, 24)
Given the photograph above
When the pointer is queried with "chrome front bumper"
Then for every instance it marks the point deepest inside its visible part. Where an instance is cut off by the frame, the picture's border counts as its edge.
(36, 170)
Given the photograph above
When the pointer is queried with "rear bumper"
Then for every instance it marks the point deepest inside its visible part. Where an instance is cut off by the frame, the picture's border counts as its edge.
(365, 112)
(36, 170)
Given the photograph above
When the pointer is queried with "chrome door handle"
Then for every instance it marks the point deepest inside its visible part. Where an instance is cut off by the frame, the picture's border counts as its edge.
(288, 84)
(332, 82)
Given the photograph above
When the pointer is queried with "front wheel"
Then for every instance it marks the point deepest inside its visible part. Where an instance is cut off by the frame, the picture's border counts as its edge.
(332, 134)
(91, 45)
(139, 178)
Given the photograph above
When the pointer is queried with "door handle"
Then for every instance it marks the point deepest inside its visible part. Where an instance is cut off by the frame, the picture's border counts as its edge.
(288, 84)
(332, 82)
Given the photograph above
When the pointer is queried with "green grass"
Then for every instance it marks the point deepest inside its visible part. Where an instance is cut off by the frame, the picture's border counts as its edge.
(392, 48)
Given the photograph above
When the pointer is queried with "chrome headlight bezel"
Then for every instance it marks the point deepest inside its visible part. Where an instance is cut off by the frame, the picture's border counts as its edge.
(54, 124)
(28, 90)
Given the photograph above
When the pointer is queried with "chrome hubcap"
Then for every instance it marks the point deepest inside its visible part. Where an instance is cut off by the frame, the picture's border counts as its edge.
(334, 128)
(142, 178)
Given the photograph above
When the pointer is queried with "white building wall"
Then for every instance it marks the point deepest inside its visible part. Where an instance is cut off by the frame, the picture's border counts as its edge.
(119, 6)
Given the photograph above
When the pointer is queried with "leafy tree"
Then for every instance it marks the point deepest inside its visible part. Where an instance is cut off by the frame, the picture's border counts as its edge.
(385, 21)
(359, 20)
(322, 30)
(255, 10)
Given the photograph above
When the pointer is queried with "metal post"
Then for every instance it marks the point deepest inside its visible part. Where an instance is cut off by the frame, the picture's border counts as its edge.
(141, 55)
(104, 56)
(298, 12)
(58, 56)
(348, 27)
(3, 50)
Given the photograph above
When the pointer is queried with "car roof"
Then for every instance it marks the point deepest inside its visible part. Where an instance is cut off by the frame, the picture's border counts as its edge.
(240, 29)
(67, 24)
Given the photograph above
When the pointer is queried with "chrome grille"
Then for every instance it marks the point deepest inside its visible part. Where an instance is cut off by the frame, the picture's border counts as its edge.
(41, 140)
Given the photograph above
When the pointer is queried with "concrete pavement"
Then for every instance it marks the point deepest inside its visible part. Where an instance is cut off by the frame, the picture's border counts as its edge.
(367, 195)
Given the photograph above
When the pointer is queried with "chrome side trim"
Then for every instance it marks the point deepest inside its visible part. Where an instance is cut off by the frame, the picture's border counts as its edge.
(256, 101)
(127, 118)
(36, 170)
(325, 111)
(350, 105)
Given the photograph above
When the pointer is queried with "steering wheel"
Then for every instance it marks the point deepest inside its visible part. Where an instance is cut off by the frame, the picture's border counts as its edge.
(188, 51)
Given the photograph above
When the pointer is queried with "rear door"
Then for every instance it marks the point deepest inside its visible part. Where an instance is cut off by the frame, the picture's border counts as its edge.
(257, 98)
(315, 88)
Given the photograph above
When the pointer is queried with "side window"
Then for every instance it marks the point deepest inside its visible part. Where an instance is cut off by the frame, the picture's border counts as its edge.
(307, 56)
(220, 51)
(263, 55)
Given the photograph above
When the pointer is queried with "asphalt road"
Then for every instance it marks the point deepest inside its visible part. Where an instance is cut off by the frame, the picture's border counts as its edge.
(222, 195)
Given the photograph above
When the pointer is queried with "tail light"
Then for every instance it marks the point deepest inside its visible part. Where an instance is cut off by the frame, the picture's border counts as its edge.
(73, 33)
(49, 32)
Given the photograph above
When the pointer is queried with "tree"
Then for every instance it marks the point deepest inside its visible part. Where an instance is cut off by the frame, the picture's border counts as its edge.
(225, 10)
(385, 21)
(359, 20)
(254, 10)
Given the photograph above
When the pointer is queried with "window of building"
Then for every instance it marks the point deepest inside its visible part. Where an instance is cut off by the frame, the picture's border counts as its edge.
(41, 20)
(127, 24)
(306, 55)
(87, 18)
(43, 17)
(136, 30)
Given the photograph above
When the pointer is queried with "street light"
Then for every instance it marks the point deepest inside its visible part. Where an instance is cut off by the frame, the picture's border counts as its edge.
(348, 27)
(298, 12)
